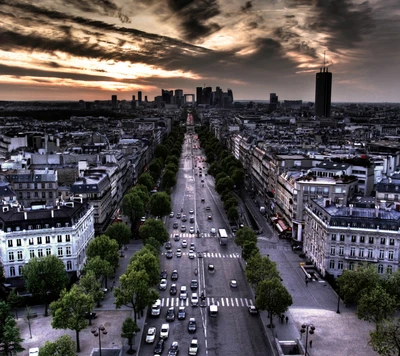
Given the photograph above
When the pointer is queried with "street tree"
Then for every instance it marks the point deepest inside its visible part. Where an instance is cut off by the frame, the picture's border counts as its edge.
(69, 311)
(104, 247)
(224, 183)
(133, 207)
(153, 245)
(90, 285)
(232, 201)
(260, 268)
(154, 228)
(353, 283)
(155, 169)
(220, 176)
(145, 260)
(376, 305)
(147, 180)
(232, 214)
(391, 284)
(273, 296)
(45, 277)
(249, 249)
(245, 234)
(385, 339)
(160, 204)
(129, 331)
(142, 191)
(172, 167)
(120, 233)
(63, 346)
(238, 176)
(168, 179)
(14, 300)
(9, 331)
(172, 159)
(161, 152)
(134, 291)
(100, 268)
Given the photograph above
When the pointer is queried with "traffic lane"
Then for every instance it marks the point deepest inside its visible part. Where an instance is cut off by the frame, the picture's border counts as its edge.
(236, 333)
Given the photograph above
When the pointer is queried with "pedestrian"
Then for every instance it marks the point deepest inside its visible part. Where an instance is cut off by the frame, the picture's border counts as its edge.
(307, 282)
(282, 317)
(287, 319)
(310, 344)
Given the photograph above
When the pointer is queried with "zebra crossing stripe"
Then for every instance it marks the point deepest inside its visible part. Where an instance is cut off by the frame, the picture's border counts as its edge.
(241, 301)
(232, 304)
(237, 302)
(222, 302)
(227, 302)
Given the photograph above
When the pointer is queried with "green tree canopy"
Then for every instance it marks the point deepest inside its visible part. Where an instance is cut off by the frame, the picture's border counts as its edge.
(63, 346)
(232, 214)
(245, 234)
(105, 248)
(133, 207)
(9, 331)
(129, 330)
(145, 260)
(172, 167)
(99, 267)
(120, 233)
(147, 180)
(155, 168)
(260, 268)
(168, 179)
(142, 191)
(69, 311)
(224, 183)
(172, 159)
(249, 249)
(238, 176)
(153, 245)
(391, 284)
(154, 228)
(160, 204)
(385, 339)
(90, 285)
(43, 276)
(161, 152)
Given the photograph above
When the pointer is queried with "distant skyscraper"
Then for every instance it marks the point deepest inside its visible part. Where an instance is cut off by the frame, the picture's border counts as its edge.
(230, 95)
(207, 94)
(199, 95)
(323, 92)
(167, 96)
(179, 97)
(139, 94)
(273, 101)
(133, 102)
(113, 101)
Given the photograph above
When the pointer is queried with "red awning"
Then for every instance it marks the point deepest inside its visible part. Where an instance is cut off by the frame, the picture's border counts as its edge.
(282, 225)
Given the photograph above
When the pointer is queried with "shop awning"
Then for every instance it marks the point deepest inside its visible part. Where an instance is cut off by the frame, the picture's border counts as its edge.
(279, 227)
(282, 225)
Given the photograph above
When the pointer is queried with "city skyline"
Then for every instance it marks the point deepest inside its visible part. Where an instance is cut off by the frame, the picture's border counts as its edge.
(90, 50)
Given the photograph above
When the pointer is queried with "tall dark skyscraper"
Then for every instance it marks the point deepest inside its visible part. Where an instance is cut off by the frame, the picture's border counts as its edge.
(273, 101)
(323, 92)
(139, 94)
(199, 95)
(114, 101)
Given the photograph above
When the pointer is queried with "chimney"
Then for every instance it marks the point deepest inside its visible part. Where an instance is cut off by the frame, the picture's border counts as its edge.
(351, 209)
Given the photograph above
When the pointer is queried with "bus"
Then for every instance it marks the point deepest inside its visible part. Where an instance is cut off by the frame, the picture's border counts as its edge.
(223, 237)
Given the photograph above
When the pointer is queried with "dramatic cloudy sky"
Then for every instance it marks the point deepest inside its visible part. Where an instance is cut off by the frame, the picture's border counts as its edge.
(90, 49)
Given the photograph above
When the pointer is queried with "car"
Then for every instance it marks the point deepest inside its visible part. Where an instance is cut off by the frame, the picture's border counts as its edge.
(194, 300)
(194, 284)
(184, 218)
(175, 225)
(202, 180)
(191, 230)
(183, 228)
(191, 211)
(192, 326)
(173, 290)
(178, 252)
(194, 347)
(200, 175)
(213, 231)
(163, 274)
(169, 254)
(156, 308)
(174, 349)
(191, 219)
(34, 351)
(184, 243)
(209, 217)
(192, 246)
(191, 254)
(174, 275)
(181, 313)
(163, 284)
(151, 335)
(178, 215)
(170, 314)
(208, 208)
(159, 347)
(233, 283)
(203, 200)
(90, 315)
(171, 214)
(298, 248)
(143, 219)
(164, 331)
(183, 293)
(177, 237)
(211, 268)
(168, 245)
(252, 309)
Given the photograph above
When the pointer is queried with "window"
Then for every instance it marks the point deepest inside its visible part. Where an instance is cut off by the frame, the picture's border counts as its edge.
(19, 255)
(38, 227)
(60, 251)
(362, 239)
(352, 251)
(40, 252)
(48, 251)
(59, 238)
(31, 241)
(47, 239)
(390, 255)
(10, 243)
(391, 242)
(340, 265)
(28, 195)
(43, 186)
(68, 238)
(341, 237)
(341, 250)
(19, 242)
(361, 252)
(43, 195)
(381, 254)
(370, 253)
(36, 195)
(353, 238)
(11, 256)
(351, 266)
(31, 253)
(12, 271)
(39, 240)
(389, 269)
(68, 250)
(50, 185)
(20, 269)
(69, 265)
(58, 225)
(332, 264)
(50, 195)
(371, 240)
(380, 269)
(333, 250)
(383, 241)
(333, 237)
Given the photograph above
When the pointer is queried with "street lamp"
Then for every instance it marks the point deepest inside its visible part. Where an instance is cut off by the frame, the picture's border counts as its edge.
(7, 348)
(97, 331)
(308, 329)
(338, 304)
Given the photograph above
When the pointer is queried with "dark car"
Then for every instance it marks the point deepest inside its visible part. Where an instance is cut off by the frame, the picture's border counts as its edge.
(175, 225)
(192, 327)
(173, 349)
(170, 314)
(174, 275)
(181, 313)
(169, 254)
(194, 284)
(168, 245)
(163, 274)
(159, 347)
(173, 289)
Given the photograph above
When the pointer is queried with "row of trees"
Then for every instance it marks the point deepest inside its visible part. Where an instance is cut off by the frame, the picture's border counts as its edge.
(377, 298)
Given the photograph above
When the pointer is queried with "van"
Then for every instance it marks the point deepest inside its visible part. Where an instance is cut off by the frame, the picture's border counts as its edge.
(213, 310)
(156, 308)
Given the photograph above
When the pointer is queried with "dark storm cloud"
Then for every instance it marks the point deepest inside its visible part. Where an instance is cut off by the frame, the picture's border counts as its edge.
(247, 6)
(194, 16)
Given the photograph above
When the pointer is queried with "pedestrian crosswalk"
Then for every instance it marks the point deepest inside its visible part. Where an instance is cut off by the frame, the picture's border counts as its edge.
(212, 254)
(187, 235)
(220, 301)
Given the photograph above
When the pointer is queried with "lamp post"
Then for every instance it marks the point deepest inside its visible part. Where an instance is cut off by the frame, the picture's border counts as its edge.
(7, 348)
(338, 304)
(308, 329)
(97, 331)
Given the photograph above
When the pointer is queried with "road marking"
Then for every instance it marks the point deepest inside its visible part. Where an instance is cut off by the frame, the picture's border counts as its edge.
(237, 302)
(227, 302)
(167, 302)
(219, 255)
(222, 302)
(241, 301)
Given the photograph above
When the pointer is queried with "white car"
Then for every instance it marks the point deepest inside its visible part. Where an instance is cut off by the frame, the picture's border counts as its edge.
(193, 347)
(233, 283)
(34, 351)
(191, 211)
(163, 284)
(184, 243)
(178, 252)
(194, 300)
(191, 254)
(151, 335)
(183, 293)
(171, 215)
(164, 331)
(213, 231)
(191, 230)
